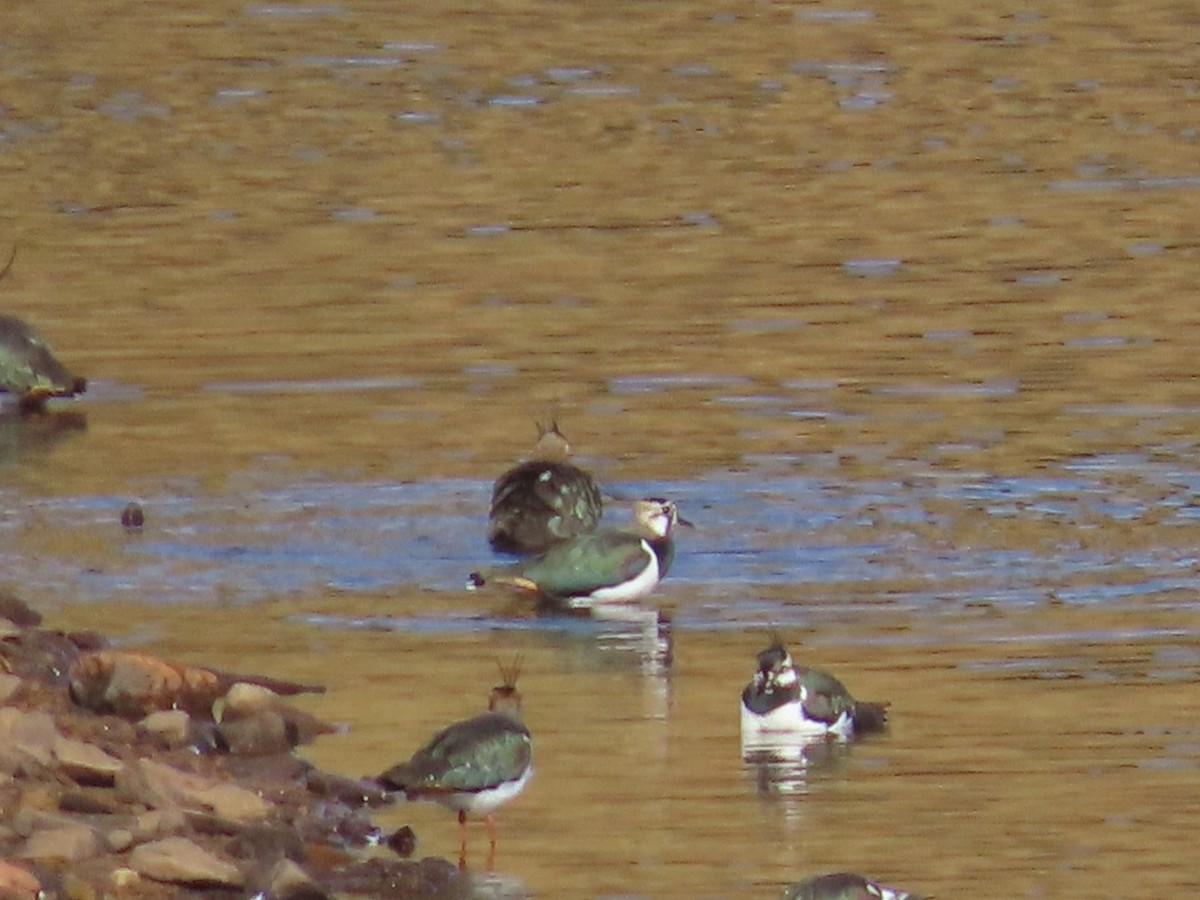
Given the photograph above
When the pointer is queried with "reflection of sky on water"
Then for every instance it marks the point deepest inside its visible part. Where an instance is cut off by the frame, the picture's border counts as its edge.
(757, 532)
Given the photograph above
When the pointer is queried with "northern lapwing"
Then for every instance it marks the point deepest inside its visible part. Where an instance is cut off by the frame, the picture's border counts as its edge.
(783, 699)
(472, 766)
(844, 886)
(605, 566)
(544, 501)
(29, 370)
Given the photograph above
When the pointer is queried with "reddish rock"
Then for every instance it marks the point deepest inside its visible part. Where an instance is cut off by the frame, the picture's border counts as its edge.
(17, 883)
(135, 684)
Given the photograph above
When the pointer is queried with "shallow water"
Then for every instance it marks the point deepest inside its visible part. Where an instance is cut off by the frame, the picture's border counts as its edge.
(897, 303)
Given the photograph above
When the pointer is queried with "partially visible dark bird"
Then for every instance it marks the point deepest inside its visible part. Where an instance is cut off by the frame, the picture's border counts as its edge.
(29, 370)
(613, 566)
(844, 886)
(789, 700)
(475, 765)
(544, 501)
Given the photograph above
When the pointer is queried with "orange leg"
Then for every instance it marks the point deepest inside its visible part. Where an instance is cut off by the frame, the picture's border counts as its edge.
(491, 833)
(462, 838)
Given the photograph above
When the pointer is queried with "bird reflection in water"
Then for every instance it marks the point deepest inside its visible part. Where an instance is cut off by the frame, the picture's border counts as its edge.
(34, 436)
(493, 885)
(782, 766)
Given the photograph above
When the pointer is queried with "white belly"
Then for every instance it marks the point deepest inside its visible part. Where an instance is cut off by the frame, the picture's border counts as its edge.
(485, 801)
(639, 587)
(788, 722)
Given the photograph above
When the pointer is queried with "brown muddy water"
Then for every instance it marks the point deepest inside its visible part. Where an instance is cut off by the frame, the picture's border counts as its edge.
(896, 300)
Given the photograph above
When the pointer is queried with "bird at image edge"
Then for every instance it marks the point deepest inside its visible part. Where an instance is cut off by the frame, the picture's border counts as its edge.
(844, 886)
(29, 370)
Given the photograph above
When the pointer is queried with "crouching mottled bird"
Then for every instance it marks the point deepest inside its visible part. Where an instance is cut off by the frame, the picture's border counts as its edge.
(544, 501)
(783, 699)
(472, 766)
(844, 886)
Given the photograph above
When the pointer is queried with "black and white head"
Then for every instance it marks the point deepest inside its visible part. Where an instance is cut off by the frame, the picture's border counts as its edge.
(657, 517)
(776, 669)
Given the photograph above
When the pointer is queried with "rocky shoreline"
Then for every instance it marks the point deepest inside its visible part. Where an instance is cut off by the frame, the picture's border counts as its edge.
(130, 776)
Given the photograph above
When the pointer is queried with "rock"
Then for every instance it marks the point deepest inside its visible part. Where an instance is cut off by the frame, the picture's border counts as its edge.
(86, 763)
(133, 517)
(124, 878)
(158, 823)
(17, 883)
(26, 739)
(177, 860)
(160, 786)
(9, 685)
(260, 734)
(18, 611)
(69, 843)
(403, 841)
(287, 881)
(36, 809)
(171, 726)
(232, 802)
(89, 802)
(255, 721)
(118, 840)
(135, 684)
(75, 888)
(350, 791)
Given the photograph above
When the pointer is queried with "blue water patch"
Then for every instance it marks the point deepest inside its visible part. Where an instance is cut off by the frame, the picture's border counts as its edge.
(767, 541)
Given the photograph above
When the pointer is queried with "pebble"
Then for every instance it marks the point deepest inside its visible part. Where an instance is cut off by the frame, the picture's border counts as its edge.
(133, 517)
(124, 877)
(172, 726)
(118, 840)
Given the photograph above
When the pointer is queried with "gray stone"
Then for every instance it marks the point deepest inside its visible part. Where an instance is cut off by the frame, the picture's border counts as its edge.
(86, 763)
(171, 726)
(69, 843)
(162, 787)
(118, 840)
(176, 860)
(287, 881)
(25, 738)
